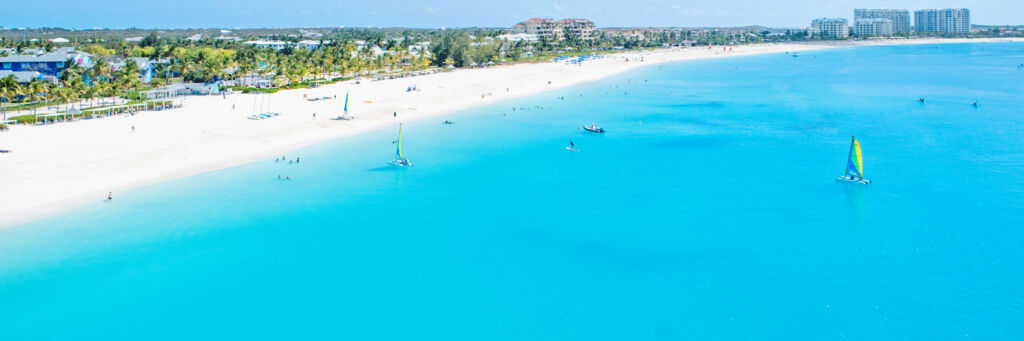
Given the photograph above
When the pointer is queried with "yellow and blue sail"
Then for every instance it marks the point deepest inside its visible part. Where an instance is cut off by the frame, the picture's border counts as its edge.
(855, 162)
(398, 150)
(346, 102)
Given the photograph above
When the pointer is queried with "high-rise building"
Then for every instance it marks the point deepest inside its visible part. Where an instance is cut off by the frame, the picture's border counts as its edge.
(831, 28)
(950, 20)
(872, 27)
(900, 18)
(926, 20)
(955, 20)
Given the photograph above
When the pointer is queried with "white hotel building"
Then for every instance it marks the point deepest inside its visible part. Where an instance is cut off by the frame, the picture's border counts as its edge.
(831, 28)
(872, 27)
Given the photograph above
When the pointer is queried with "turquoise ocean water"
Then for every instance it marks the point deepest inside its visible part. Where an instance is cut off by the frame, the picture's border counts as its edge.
(717, 217)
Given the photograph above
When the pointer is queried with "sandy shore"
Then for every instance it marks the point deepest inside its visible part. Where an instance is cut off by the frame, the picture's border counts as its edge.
(58, 167)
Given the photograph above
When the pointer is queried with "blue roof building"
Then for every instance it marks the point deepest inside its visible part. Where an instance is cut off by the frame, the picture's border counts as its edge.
(48, 64)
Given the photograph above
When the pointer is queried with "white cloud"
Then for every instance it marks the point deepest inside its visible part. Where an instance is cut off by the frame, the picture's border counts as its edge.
(430, 9)
(557, 6)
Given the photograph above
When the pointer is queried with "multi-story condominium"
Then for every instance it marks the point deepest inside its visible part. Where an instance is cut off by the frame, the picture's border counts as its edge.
(831, 28)
(900, 18)
(950, 20)
(872, 27)
(582, 28)
(926, 20)
(955, 20)
(555, 30)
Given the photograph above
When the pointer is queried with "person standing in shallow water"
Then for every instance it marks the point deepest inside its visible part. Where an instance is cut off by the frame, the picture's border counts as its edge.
(110, 196)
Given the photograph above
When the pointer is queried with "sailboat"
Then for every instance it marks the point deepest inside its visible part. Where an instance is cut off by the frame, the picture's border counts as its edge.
(344, 116)
(400, 160)
(854, 165)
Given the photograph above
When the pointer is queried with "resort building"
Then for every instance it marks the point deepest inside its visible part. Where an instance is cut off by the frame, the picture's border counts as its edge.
(47, 64)
(872, 27)
(950, 20)
(514, 37)
(899, 18)
(23, 76)
(265, 44)
(831, 28)
(553, 30)
(146, 66)
(310, 44)
(635, 34)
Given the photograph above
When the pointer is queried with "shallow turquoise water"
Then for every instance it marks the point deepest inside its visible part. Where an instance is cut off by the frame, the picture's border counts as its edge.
(717, 217)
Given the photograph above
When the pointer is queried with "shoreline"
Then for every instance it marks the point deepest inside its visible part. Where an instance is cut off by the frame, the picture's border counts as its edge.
(60, 167)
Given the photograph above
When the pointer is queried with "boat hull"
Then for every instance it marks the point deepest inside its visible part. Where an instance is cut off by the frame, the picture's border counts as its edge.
(853, 181)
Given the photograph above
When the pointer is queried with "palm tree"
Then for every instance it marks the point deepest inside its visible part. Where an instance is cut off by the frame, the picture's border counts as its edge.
(100, 69)
(9, 89)
(34, 89)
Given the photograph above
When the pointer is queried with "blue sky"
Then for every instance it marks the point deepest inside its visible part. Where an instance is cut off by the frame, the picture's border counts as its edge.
(464, 13)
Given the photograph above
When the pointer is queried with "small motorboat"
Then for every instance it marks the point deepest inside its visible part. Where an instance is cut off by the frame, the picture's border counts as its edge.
(593, 128)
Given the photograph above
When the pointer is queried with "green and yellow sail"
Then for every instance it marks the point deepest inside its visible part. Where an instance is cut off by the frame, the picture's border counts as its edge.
(398, 151)
(855, 162)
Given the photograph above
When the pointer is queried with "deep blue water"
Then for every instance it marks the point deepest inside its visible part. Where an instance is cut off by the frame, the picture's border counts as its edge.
(717, 217)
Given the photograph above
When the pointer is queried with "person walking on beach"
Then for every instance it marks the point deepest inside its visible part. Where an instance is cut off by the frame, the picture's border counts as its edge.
(314, 116)
(133, 128)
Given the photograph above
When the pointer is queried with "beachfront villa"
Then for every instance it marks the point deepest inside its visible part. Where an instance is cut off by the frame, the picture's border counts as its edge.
(49, 65)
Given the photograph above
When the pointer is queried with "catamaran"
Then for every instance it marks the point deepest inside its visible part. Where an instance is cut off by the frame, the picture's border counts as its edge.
(399, 161)
(854, 165)
(344, 116)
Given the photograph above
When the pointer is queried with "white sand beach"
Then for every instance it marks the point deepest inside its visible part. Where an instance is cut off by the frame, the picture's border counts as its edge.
(57, 167)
